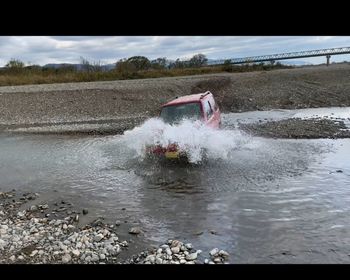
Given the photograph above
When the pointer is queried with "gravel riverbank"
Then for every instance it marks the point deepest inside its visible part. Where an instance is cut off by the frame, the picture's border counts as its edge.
(39, 234)
(111, 107)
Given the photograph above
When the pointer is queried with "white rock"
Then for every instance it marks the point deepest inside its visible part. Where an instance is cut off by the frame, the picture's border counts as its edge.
(224, 253)
(94, 258)
(102, 256)
(168, 252)
(13, 258)
(191, 257)
(217, 260)
(175, 250)
(159, 261)
(214, 252)
(206, 261)
(88, 259)
(64, 226)
(98, 237)
(76, 253)
(66, 258)
(188, 246)
(191, 262)
(182, 261)
(34, 253)
(21, 258)
(150, 258)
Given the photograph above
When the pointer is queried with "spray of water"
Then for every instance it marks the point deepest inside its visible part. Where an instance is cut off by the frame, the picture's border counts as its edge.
(191, 137)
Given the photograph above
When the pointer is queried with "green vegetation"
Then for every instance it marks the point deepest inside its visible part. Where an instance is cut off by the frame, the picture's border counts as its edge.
(137, 67)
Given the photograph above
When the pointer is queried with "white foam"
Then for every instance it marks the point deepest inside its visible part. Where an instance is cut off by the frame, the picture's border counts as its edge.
(191, 137)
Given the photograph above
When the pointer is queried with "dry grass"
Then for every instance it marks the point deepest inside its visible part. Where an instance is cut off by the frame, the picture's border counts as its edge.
(49, 76)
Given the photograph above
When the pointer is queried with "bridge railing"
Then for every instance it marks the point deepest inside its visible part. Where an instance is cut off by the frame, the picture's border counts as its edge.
(282, 56)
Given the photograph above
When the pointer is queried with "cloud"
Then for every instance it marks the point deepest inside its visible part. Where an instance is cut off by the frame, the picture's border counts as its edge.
(109, 49)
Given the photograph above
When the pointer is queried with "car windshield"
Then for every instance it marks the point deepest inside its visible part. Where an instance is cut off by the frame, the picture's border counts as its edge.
(176, 113)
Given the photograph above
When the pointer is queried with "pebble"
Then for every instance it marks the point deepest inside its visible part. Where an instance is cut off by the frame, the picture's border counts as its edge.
(214, 252)
(94, 258)
(191, 257)
(159, 261)
(118, 223)
(175, 250)
(76, 253)
(13, 258)
(85, 211)
(135, 230)
(189, 246)
(98, 237)
(66, 258)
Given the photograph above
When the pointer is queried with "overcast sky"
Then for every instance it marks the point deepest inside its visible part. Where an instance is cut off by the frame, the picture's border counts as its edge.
(108, 49)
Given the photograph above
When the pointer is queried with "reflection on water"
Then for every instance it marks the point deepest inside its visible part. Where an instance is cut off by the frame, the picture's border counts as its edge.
(269, 201)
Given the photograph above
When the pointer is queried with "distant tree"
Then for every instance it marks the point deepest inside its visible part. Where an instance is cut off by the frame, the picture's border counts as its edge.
(179, 64)
(88, 66)
(227, 66)
(15, 63)
(198, 60)
(159, 63)
(140, 62)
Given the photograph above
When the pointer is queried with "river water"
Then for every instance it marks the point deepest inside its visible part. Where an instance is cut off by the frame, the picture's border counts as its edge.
(266, 201)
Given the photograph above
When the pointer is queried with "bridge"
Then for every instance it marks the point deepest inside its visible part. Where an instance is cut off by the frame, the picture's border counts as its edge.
(282, 56)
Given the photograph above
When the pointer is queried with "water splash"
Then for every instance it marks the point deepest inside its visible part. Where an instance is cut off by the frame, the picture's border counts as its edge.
(191, 137)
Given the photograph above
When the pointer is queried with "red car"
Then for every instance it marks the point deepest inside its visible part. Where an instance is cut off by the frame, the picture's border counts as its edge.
(200, 106)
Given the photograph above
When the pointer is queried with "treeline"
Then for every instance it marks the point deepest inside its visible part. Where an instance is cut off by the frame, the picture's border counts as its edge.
(137, 67)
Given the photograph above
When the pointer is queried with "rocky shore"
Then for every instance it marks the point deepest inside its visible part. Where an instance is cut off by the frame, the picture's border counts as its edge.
(40, 234)
(298, 128)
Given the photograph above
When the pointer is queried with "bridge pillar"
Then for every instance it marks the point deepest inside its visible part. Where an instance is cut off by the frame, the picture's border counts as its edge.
(328, 57)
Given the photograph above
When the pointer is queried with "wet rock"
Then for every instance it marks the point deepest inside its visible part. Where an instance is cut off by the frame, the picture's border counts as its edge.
(224, 254)
(135, 230)
(85, 211)
(339, 171)
(191, 257)
(118, 223)
(214, 252)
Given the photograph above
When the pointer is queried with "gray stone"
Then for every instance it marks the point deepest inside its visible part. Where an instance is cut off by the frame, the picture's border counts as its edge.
(66, 258)
(135, 230)
(13, 258)
(168, 252)
(159, 261)
(118, 223)
(214, 252)
(191, 257)
(175, 250)
(189, 246)
(102, 256)
(76, 253)
(98, 237)
(224, 254)
(94, 258)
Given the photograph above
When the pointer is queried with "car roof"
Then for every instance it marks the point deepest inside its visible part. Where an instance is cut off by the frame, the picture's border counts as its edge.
(187, 98)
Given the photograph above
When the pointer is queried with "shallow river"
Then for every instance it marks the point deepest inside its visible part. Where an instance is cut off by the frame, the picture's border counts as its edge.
(269, 201)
